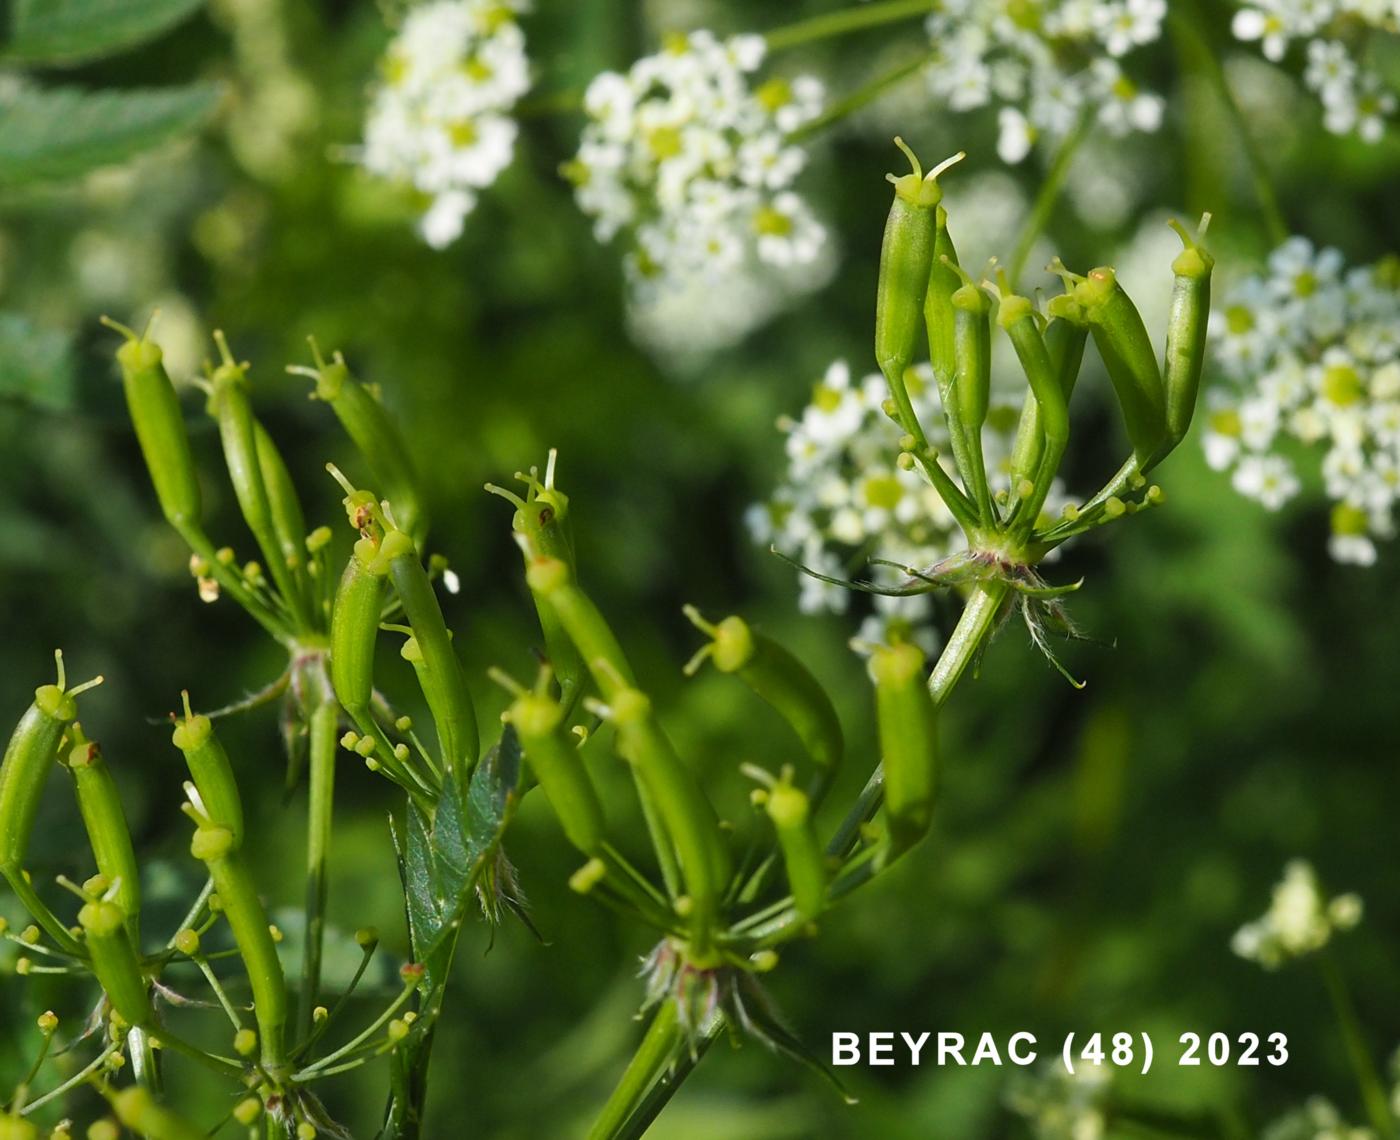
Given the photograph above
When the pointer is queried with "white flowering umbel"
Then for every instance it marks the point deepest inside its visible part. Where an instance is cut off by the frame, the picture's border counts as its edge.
(695, 165)
(1300, 919)
(1317, 1119)
(1045, 66)
(1060, 1105)
(440, 118)
(1335, 36)
(1311, 356)
(845, 499)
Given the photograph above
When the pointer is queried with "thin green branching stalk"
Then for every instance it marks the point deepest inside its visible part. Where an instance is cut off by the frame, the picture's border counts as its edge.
(648, 1064)
(831, 25)
(1184, 22)
(1363, 1068)
(861, 97)
(322, 750)
(80, 1077)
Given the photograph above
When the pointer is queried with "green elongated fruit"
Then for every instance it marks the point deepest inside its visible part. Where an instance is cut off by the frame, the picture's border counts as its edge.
(284, 504)
(539, 719)
(1064, 340)
(29, 757)
(779, 678)
(1186, 332)
(907, 719)
(214, 847)
(138, 1110)
(803, 859)
(939, 315)
(542, 530)
(113, 959)
(211, 772)
(443, 680)
(155, 413)
(359, 601)
(100, 805)
(685, 811)
(238, 432)
(970, 394)
(375, 435)
(553, 580)
(906, 257)
(1127, 352)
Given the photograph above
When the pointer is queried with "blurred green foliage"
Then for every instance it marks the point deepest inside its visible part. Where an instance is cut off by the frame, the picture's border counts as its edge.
(1093, 851)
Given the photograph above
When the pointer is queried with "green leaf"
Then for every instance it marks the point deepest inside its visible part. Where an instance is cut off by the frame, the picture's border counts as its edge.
(36, 364)
(466, 836)
(60, 133)
(70, 31)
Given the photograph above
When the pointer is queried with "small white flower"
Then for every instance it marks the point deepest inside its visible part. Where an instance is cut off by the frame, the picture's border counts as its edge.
(1267, 478)
(439, 120)
(1300, 920)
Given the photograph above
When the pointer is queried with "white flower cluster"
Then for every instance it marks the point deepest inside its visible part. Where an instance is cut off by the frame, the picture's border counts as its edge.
(845, 499)
(1045, 65)
(440, 116)
(1354, 98)
(1060, 1105)
(696, 165)
(1312, 352)
(1300, 919)
(1317, 1119)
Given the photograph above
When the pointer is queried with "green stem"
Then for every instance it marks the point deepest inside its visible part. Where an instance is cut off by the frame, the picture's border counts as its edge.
(976, 624)
(648, 1064)
(1185, 28)
(832, 24)
(1362, 1066)
(863, 95)
(42, 915)
(974, 627)
(1044, 205)
(667, 1087)
(322, 758)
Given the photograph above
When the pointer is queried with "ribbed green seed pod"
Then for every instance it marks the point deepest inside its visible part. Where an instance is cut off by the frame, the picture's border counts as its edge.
(444, 681)
(552, 579)
(375, 435)
(29, 757)
(685, 811)
(288, 519)
(114, 961)
(211, 772)
(359, 601)
(1127, 352)
(803, 859)
(943, 282)
(100, 806)
(238, 898)
(1187, 321)
(551, 754)
(155, 413)
(779, 678)
(238, 432)
(907, 719)
(541, 527)
(906, 256)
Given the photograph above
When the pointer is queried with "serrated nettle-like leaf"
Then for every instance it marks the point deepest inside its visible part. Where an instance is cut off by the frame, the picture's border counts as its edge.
(467, 835)
(414, 844)
(73, 31)
(48, 135)
(36, 364)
